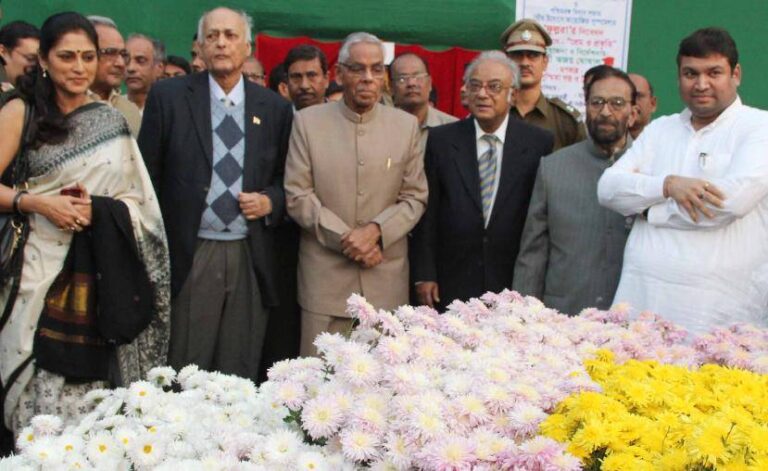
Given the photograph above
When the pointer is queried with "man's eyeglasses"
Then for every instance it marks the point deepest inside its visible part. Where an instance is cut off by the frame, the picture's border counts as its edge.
(111, 53)
(418, 78)
(359, 70)
(492, 88)
(616, 103)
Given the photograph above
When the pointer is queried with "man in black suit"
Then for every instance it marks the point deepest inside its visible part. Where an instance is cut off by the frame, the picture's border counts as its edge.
(215, 147)
(481, 172)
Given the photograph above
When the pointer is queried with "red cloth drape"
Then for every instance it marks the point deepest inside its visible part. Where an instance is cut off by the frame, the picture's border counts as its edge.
(446, 67)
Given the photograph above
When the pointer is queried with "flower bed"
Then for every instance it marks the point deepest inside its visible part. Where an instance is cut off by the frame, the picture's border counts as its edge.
(411, 389)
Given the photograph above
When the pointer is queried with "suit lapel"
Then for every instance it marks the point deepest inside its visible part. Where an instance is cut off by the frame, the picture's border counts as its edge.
(255, 115)
(514, 150)
(199, 101)
(465, 159)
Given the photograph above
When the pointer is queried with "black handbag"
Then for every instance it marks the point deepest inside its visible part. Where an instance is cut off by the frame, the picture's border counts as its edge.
(14, 227)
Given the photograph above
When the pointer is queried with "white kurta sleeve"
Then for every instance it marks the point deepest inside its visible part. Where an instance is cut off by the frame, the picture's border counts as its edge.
(744, 183)
(627, 186)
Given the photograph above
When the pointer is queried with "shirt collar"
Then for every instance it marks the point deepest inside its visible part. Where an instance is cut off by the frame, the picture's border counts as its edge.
(236, 95)
(685, 116)
(355, 117)
(500, 133)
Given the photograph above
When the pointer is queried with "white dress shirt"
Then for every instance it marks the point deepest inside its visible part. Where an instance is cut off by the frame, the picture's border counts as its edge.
(697, 274)
(482, 148)
(235, 96)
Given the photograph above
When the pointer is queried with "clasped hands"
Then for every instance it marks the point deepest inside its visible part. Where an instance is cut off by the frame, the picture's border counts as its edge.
(362, 245)
(693, 194)
(254, 205)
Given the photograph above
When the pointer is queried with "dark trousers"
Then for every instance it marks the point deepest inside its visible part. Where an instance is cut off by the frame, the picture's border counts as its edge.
(218, 320)
(284, 325)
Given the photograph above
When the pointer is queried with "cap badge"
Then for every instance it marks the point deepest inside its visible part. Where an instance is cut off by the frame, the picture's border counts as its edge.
(527, 35)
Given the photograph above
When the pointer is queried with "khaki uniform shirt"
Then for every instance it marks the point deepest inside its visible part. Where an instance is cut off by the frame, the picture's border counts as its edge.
(125, 107)
(435, 117)
(558, 117)
(343, 171)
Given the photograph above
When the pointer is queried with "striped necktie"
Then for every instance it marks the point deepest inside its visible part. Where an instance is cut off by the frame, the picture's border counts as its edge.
(488, 175)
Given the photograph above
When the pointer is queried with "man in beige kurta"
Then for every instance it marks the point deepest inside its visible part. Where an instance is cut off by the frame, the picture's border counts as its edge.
(355, 183)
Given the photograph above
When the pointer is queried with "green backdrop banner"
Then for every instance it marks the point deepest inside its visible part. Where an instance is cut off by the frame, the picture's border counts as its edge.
(657, 27)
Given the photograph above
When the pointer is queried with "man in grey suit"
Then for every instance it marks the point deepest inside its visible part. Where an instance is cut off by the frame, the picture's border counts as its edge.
(572, 248)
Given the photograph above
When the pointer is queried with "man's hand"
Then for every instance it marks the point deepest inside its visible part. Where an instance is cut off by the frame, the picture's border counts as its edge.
(357, 243)
(428, 293)
(372, 258)
(254, 205)
(693, 194)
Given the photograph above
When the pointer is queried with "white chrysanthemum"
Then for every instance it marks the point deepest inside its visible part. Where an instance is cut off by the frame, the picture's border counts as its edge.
(76, 461)
(281, 447)
(44, 453)
(142, 396)
(16, 463)
(360, 370)
(46, 424)
(26, 438)
(291, 394)
(311, 461)
(321, 417)
(147, 450)
(102, 448)
(181, 450)
(359, 445)
(162, 376)
(398, 452)
(95, 396)
(185, 373)
(70, 443)
(125, 437)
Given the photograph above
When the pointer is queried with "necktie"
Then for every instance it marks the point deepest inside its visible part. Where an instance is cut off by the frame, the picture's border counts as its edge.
(488, 175)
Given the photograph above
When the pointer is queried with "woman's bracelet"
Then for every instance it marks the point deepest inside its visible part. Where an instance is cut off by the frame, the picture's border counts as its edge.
(16, 200)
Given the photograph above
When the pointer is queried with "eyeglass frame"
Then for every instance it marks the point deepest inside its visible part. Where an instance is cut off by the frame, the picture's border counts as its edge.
(491, 92)
(112, 53)
(359, 70)
(418, 78)
(598, 103)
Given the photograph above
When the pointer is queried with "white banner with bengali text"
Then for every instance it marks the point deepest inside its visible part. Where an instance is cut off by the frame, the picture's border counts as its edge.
(584, 33)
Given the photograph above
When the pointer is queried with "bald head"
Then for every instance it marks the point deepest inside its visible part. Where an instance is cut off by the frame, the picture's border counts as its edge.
(646, 104)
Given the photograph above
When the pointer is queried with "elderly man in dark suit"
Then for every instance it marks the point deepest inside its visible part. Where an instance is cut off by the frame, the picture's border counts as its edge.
(572, 248)
(480, 172)
(215, 147)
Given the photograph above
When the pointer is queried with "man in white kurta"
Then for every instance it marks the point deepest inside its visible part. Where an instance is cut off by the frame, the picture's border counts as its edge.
(698, 253)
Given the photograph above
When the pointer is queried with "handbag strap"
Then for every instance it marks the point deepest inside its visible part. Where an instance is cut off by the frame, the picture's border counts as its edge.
(20, 169)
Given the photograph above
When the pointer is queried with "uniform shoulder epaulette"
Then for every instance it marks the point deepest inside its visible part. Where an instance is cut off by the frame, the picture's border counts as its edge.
(572, 111)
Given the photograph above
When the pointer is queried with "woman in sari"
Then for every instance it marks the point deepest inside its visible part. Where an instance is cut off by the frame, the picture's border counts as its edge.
(84, 148)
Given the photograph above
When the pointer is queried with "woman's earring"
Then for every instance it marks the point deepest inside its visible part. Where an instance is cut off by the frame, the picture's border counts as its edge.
(45, 73)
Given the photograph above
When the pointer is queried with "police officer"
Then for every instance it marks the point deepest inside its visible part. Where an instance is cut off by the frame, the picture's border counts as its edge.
(526, 42)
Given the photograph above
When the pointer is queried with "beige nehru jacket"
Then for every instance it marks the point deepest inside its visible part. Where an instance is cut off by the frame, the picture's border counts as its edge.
(343, 171)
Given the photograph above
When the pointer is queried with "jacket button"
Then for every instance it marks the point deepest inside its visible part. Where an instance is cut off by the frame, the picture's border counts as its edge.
(360, 222)
(136, 298)
(205, 189)
(360, 132)
(599, 299)
(360, 163)
(360, 193)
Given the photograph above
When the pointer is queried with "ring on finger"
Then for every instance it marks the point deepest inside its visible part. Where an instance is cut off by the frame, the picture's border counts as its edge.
(706, 185)
(701, 195)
